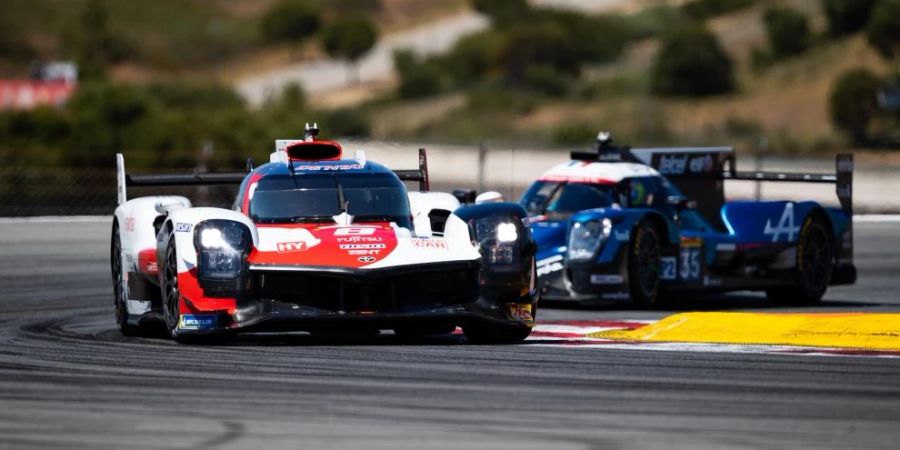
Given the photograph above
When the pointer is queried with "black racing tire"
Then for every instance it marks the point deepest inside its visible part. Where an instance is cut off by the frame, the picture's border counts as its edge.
(171, 296)
(815, 264)
(118, 280)
(644, 266)
(413, 331)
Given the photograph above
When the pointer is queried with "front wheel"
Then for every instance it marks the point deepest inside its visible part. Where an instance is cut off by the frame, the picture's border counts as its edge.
(644, 265)
(170, 294)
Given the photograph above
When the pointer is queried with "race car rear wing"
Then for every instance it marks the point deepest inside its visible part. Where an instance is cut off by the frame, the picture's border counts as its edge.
(699, 174)
(125, 180)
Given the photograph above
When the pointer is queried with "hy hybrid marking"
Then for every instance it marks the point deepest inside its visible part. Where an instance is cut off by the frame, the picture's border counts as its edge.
(582, 334)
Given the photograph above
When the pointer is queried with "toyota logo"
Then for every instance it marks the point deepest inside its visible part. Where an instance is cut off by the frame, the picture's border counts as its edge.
(366, 259)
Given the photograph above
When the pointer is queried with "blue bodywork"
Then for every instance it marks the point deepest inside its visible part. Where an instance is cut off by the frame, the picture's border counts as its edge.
(750, 245)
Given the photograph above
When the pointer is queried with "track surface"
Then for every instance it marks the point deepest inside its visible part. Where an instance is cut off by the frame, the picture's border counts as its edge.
(68, 379)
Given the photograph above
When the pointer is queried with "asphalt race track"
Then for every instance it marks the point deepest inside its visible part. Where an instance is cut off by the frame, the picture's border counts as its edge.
(68, 379)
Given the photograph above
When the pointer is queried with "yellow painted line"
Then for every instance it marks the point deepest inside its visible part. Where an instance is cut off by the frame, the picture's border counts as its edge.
(870, 331)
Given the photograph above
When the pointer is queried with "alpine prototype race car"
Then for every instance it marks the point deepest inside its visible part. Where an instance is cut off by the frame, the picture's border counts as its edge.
(634, 224)
(321, 243)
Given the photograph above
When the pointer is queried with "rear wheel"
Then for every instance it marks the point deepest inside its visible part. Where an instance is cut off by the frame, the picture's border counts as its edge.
(815, 263)
(643, 266)
(118, 279)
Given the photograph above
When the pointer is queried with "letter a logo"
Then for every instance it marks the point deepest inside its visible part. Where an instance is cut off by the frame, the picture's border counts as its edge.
(785, 225)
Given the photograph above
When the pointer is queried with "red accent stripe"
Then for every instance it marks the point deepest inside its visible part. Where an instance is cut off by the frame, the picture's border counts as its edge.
(147, 262)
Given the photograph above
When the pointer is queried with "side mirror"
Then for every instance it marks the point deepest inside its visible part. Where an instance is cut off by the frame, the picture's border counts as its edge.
(680, 202)
(489, 197)
(465, 196)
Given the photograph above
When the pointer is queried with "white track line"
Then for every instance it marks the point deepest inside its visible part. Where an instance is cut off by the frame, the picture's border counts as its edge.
(56, 219)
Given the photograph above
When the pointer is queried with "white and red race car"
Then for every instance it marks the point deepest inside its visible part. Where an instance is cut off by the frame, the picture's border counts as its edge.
(319, 243)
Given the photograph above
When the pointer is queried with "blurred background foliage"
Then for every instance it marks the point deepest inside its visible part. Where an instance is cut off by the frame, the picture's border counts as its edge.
(157, 77)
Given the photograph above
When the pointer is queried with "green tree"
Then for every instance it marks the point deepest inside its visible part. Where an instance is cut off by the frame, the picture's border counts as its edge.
(853, 103)
(349, 38)
(690, 62)
(290, 21)
(502, 12)
(788, 31)
(846, 16)
(883, 30)
(525, 46)
(96, 46)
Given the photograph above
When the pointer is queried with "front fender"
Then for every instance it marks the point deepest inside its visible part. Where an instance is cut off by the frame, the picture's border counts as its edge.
(182, 224)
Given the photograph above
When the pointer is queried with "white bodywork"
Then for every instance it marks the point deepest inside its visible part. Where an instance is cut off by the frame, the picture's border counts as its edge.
(419, 246)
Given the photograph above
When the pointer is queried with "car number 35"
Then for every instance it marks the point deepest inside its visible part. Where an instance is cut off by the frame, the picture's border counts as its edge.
(686, 267)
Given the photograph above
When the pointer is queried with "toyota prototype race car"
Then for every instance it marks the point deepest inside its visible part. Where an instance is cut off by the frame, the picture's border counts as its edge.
(320, 243)
(624, 224)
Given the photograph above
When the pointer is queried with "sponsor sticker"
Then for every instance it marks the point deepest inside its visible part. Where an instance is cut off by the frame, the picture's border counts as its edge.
(315, 167)
(606, 279)
(522, 313)
(549, 265)
(291, 247)
(366, 259)
(182, 227)
(129, 224)
(362, 246)
(430, 243)
(197, 322)
(616, 296)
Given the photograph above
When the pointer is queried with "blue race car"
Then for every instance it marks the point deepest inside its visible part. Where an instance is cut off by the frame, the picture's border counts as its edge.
(635, 224)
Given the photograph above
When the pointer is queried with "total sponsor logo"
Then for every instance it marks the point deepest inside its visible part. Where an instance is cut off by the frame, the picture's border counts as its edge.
(197, 322)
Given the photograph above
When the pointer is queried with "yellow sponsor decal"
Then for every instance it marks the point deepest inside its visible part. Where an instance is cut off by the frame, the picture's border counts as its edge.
(870, 331)
(691, 242)
(522, 313)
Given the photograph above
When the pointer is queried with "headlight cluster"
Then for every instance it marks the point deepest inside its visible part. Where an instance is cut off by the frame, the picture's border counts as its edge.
(221, 245)
(498, 238)
(585, 238)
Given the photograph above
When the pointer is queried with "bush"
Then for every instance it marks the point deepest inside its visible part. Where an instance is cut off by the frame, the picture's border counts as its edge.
(546, 80)
(423, 80)
(290, 20)
(846, 16)
(194, 95)
(472, 56)
(349, 38)
(690, 62)
(346, 123)
(705, 9)
(95, 45)
(525, 46)
(883, 30)
(853, 103)
(788, 31)
(579, 134)
(502, 12)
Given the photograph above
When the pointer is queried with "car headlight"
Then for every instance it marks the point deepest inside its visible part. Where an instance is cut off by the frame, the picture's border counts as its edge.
(585, 238)
(221, 246)
(498, 238)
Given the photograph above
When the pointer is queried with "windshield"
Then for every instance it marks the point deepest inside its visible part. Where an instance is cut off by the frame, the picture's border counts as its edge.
(316, 198)
(564, 199)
